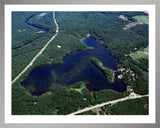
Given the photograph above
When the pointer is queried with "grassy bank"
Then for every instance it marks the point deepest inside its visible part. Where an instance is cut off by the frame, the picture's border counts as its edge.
(109, 73)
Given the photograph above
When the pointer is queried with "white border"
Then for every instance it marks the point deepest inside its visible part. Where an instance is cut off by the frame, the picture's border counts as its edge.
(79, 119)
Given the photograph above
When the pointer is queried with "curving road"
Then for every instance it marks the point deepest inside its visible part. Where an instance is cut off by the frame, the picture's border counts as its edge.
(40, 52)
(105, 103)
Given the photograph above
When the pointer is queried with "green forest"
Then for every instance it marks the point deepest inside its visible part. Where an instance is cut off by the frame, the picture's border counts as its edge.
(54, 101)
(137, 106)
(105, 27)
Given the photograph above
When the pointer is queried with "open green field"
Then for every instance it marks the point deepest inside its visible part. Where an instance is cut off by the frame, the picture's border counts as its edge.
(141, 18)
(139, 54)
(78, 86)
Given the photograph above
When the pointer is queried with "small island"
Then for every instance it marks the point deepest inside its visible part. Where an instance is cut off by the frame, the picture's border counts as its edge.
(109, 73)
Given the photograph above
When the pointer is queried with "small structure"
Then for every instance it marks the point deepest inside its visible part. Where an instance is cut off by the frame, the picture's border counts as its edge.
(19, 30)
(84, 98)
(122, 17)
(120, 76)
(35, 103)
(42, 14)
(59, 46)
(40, 31)
(88, 35)
(146, 106)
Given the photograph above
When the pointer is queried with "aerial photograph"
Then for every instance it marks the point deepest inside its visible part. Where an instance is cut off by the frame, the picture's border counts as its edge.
(80, 63)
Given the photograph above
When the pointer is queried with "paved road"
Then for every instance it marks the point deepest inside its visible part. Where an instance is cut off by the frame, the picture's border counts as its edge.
(108, 102)
(40, 52)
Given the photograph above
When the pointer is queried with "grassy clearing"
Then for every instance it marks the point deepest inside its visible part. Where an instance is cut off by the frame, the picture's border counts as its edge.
(139, 54)
(78, 86)
(141, 18)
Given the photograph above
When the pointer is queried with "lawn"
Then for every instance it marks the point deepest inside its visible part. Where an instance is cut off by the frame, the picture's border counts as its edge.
(141, 18)
(78, 86)
(139, 54)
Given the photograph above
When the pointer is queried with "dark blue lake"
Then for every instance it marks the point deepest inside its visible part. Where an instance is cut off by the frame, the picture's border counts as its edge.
(76, 67)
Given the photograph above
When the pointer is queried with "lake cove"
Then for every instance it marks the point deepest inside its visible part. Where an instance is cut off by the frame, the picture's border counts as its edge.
(76, 67)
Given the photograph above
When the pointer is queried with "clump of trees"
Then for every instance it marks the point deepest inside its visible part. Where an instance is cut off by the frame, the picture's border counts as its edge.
(107, 95)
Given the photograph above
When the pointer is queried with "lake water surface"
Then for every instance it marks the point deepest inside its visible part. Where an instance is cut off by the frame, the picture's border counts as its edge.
(40, 79)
